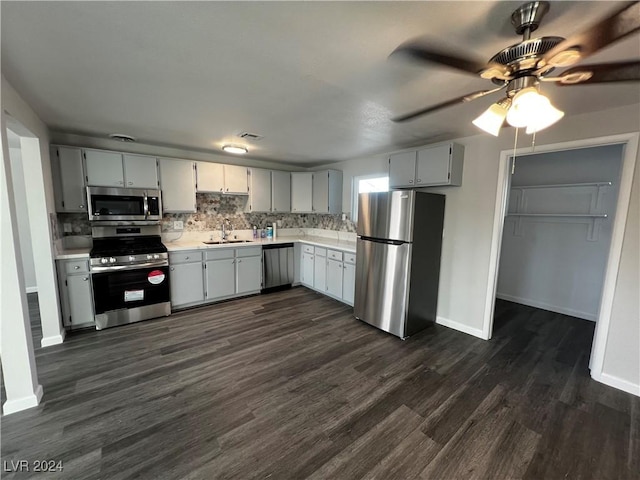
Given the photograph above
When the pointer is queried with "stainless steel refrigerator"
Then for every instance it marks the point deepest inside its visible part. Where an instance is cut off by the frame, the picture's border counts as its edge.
(398, 260)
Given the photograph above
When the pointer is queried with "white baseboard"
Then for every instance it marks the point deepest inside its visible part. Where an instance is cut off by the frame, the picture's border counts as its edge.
(461, 327)
(546, 306)
(32, 289)
(53, 340)
(19, 404)
(615, 382)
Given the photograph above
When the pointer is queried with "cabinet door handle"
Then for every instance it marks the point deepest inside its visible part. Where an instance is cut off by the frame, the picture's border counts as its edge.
(85, 278)
(186, 258)
(120, 182)
(233, 261)
(239, 261)
(227, 189)
(81, 206)
(419, 181)
(130, 183)
(410, 181)
(77, 267)
(172, 269)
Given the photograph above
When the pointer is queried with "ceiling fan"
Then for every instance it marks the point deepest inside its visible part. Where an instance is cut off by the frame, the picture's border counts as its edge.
(521, 68)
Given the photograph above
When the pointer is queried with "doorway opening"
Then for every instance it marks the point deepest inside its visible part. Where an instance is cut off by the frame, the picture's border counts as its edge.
(510, 206)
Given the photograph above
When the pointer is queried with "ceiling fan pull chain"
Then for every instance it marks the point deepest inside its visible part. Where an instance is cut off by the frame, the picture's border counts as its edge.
(513, 159)
(533, 143)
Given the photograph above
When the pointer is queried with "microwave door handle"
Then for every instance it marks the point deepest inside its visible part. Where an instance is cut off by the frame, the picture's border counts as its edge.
(146, 206)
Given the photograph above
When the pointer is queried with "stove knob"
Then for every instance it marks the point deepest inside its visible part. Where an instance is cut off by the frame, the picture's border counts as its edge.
(112, 260)
(149, 257)
(156, 256)
(131, 258)
(104, 260)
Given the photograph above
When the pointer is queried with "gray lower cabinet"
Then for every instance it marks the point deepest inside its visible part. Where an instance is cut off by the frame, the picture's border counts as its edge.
(248, 274)
(76, 293)
(187, 284)
(349, 283)
(221, 278)
(208, 275)
(332, 272)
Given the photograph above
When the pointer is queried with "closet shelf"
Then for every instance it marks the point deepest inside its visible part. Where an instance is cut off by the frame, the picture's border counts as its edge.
(585, 215)
(563, 185)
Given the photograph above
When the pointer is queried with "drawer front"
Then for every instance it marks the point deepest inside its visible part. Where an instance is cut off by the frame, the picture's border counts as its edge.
(249, 252)
(334, 255)
(184, 257)
(321, 252)
(218, 253)
(307, 248)
(350, 258)
(76, 266)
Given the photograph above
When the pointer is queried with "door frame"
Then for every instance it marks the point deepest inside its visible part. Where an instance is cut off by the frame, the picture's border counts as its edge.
(630, 152)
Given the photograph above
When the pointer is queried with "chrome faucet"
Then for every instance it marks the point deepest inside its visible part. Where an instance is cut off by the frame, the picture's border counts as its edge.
(224, 233)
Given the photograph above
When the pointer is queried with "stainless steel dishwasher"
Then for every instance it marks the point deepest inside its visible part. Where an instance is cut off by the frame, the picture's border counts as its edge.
(277, 266)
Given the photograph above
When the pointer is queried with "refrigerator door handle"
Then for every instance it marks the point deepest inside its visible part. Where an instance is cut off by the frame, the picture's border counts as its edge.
(383, 240)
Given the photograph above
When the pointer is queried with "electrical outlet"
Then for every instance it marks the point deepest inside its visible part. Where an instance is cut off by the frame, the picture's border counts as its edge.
(344, 217)
(178, 225)
(67, 227)
(279, 223)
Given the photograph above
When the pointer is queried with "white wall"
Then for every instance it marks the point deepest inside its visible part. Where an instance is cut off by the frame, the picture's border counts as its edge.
(40, 202)
(469, 228)
(551, 262)
(22, 215)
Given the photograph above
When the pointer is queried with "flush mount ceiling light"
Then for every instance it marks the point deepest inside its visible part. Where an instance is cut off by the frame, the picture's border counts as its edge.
(237, 149)
(122, 137)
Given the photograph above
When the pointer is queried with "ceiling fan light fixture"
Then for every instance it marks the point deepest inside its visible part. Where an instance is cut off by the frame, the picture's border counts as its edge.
(493, 117)
(236, 149)
(551, 115)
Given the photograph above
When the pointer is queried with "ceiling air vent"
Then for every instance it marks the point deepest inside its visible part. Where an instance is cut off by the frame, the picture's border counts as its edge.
(250, 136)
(122, 137)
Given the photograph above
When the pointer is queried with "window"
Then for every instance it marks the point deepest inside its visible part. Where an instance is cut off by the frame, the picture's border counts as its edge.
(364, 184)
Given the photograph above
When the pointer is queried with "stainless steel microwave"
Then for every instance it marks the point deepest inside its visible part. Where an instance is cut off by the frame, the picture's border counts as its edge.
(129, 204)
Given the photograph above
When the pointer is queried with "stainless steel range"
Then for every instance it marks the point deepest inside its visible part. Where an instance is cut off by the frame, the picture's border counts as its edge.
(129, 269)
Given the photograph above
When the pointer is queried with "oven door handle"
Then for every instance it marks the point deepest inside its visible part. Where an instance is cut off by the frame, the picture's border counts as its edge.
(119, 268)
(145, 204)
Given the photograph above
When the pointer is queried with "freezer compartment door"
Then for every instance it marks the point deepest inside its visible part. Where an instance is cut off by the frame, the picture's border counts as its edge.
(382, 285)
(387, 215)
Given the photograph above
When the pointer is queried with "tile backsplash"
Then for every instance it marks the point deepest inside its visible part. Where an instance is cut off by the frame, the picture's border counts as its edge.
(213, 208)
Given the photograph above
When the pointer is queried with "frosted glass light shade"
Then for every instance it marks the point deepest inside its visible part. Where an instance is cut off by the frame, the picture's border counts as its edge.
(493, 117)
(532, 110)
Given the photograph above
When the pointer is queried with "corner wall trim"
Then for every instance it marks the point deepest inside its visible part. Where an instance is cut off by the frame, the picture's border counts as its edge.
(461, 327)
(616, 382)
(53, 340)
(19, 404)
(545, 306)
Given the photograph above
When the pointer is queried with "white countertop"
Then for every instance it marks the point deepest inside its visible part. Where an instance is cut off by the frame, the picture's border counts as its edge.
(178, 245)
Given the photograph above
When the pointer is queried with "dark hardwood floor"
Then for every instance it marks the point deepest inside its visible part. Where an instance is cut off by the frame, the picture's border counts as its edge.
(288, 385)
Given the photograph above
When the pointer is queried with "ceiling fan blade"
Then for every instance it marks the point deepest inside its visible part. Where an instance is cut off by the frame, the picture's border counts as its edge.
(420, 51)
(616, 26)
(454, 101)
(601, 73)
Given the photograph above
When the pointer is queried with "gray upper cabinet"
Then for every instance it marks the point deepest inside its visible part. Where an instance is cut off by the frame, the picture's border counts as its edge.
(259, 190)
(114, 169)
(210, 177)
(104, 169)
(301, 188)
(402, 170)
(140, 171)
(441, 165)
(280, 191)
(430, 166)
(69, 179)
(217, 177)
(236, 180)
(178, 183)
(327, 191)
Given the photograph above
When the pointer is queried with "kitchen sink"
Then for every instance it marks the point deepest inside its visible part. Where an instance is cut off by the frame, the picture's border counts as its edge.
(223, 242)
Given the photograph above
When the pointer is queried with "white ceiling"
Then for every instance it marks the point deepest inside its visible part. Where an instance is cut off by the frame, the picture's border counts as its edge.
(312, 77)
